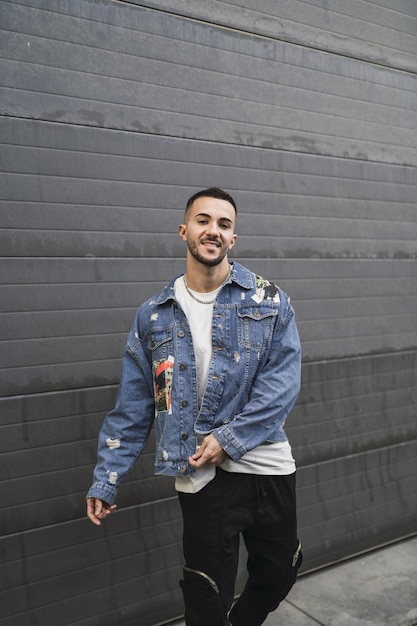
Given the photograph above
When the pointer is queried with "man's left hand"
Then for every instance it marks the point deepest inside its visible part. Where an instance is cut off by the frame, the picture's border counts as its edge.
(210, 451)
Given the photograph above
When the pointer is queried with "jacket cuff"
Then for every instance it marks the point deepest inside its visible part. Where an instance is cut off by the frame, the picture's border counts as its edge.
(104, 492)
(229, 443)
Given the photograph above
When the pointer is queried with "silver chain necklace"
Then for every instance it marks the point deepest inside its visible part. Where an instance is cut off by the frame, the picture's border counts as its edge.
(205, 301)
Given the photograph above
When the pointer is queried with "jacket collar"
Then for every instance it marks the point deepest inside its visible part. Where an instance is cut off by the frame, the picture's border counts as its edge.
(240, 275)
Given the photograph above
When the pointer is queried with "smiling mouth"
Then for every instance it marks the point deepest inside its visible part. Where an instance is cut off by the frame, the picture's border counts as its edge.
(210, 243)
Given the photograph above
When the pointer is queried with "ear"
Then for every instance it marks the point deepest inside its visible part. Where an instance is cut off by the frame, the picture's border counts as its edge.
(182, 231)
(232, 243)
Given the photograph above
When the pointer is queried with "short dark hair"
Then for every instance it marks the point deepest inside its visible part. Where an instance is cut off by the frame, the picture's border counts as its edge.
(211, 192)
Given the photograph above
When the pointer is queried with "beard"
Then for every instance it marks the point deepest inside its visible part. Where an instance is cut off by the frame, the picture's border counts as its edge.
(204, 260)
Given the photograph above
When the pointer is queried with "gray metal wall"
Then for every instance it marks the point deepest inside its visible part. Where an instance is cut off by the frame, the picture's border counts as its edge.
(113, 113)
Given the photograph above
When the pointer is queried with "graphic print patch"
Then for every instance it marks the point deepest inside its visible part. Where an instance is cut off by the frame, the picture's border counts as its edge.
(265, 290)
(163, 374)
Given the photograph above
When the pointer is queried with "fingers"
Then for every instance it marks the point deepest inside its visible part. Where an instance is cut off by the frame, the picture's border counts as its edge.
(98, 510)
(210, 451)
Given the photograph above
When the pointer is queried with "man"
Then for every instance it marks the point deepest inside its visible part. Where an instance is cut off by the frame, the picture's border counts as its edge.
(213, 362)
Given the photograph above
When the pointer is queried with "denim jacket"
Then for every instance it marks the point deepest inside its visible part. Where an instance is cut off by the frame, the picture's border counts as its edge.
(252, 384)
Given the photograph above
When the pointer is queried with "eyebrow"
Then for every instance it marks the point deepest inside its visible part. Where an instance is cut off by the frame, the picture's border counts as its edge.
(225, 219)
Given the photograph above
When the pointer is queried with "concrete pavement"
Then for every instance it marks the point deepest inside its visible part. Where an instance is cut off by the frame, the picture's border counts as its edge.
(375, 589)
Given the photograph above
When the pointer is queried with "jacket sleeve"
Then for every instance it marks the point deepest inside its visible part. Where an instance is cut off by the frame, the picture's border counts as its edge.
(272, 395)
(126, 428)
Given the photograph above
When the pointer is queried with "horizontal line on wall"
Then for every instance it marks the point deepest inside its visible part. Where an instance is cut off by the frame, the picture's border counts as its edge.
(299, 43)
(395, 106)
(362, 357)
(257, 128)
(217, 142)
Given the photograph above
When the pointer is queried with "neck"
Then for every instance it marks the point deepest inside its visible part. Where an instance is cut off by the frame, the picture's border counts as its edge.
(206, 278)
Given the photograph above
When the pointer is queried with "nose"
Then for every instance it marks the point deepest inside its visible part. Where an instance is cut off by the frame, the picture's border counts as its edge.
(213, 229)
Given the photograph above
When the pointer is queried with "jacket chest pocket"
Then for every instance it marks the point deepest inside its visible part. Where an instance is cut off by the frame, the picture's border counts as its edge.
(255, 324)
(160, 344)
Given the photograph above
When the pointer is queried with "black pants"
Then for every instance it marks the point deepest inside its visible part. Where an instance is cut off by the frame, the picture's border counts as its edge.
(262, 509)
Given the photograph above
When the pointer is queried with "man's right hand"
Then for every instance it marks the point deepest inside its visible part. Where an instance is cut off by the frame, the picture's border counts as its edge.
(98, 510)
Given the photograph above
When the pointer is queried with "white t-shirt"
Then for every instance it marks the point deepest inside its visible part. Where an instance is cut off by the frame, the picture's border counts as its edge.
(267, 459)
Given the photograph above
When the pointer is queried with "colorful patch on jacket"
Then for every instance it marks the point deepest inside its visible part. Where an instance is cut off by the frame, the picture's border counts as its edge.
(163, 374)
(265, 290)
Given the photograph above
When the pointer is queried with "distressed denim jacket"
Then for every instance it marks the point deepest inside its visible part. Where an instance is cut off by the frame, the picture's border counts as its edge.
(253, 381)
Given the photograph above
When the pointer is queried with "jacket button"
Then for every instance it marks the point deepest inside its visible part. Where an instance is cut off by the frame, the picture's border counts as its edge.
(183, 367)
(184, 403)
(184, 436)
(180, 333)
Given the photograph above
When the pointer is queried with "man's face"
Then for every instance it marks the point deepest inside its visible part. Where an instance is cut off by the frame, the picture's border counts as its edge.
(209, 230)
